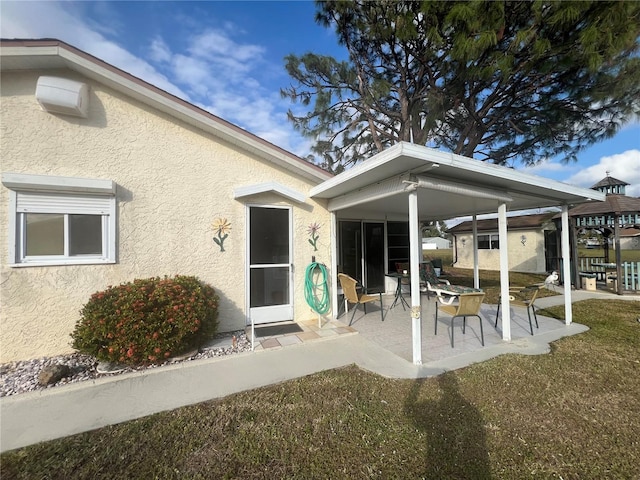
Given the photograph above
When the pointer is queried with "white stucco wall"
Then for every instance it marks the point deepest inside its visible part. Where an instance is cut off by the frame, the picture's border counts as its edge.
(172, 182)
(527, 257)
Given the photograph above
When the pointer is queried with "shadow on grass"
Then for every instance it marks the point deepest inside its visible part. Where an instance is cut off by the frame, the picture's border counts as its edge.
(455, 444)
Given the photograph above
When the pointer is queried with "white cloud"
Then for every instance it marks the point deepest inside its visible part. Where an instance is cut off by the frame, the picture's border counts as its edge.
(623, 166)
(215, 45)
(214, 70)
(62, 21)
(159, 51)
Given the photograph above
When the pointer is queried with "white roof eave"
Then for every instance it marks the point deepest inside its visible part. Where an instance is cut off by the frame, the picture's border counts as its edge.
(405, 158)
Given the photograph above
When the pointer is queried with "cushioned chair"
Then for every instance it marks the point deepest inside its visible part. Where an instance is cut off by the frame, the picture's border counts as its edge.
(348, 285)
(445, 292)
(523, 297)
(468, 305)
(430, 280)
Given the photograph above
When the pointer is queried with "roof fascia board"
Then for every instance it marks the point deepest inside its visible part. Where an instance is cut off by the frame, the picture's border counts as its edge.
(36, 50)
(551, 190)
(498, 171)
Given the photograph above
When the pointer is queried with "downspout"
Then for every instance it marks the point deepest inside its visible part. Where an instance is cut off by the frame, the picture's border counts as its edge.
(455, 250)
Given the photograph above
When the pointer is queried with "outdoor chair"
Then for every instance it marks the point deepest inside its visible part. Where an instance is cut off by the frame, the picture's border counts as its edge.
(468, 306)
(445, 292)
(351, 294)
(523, 297)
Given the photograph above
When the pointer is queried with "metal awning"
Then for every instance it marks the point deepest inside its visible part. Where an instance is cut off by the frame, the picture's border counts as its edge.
(416, 183)
(380, 184)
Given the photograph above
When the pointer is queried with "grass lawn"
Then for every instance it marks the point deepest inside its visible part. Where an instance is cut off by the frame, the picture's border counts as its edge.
(625, 255)
(572, 414)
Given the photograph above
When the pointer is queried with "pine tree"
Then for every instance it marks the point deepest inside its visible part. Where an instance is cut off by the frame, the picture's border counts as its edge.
(502, 81)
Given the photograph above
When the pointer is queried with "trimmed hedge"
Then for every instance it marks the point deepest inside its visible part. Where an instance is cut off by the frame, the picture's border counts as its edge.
(148, 320)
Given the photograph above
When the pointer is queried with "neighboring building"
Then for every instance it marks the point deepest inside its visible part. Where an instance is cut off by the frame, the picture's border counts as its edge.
(630, 238)
(435, 243)
(107, 178)
(532, 240)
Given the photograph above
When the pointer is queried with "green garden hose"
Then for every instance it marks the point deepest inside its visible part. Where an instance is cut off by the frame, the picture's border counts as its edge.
(317, 294)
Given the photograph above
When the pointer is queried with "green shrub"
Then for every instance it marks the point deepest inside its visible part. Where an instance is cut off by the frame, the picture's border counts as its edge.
(148, 320)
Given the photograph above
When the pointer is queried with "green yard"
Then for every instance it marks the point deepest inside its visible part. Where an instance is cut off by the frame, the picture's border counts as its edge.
(571, 414)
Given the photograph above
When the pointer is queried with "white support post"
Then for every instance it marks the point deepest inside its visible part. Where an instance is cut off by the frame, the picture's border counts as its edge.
(476, 263)
(415, 254)
(504, 272)
(566, 266)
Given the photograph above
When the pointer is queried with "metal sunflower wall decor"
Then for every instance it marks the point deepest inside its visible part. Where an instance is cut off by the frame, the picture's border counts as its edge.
(221, 228)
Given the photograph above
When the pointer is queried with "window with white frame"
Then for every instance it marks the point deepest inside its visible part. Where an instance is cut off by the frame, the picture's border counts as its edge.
(61, 220)
(488, 242)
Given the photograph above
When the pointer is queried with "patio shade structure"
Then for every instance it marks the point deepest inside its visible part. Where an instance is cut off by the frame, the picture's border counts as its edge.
(416, 183)
(616, 212)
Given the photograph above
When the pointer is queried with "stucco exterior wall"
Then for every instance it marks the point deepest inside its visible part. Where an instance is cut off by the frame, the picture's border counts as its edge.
(172, 179)
(527, 257)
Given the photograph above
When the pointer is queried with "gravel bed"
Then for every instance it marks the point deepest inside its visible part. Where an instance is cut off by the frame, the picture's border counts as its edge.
(22, 376)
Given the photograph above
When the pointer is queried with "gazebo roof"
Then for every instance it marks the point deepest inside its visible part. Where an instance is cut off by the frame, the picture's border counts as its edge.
(613, 204)
(608, 182)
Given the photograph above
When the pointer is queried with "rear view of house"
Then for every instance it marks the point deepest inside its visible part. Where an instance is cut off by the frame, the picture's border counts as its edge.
(106, 178)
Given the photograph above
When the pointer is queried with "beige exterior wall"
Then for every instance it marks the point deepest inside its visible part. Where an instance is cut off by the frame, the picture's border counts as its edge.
(172, 180)
(527, 257)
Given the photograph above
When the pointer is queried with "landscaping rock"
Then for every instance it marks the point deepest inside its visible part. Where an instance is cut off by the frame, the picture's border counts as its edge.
(53, 374)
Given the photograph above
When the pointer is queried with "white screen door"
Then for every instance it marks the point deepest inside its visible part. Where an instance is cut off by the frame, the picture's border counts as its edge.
(270, 274)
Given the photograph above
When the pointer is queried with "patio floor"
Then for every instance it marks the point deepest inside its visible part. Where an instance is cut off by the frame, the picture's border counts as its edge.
(395, 335)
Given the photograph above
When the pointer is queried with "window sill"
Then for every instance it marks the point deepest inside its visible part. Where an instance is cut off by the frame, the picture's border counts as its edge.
(62, 263)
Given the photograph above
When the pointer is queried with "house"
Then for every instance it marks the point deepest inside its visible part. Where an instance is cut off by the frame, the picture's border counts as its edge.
(106, 178)
(435, 243)
(630, 238)
(531, 239)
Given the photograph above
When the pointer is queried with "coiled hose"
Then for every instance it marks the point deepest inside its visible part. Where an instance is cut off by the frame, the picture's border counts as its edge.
(317, 294)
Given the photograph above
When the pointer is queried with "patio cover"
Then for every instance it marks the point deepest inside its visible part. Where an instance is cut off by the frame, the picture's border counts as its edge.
(413, 182)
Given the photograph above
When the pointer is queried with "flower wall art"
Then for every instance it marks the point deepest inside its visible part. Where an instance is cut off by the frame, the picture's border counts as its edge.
(221, 227)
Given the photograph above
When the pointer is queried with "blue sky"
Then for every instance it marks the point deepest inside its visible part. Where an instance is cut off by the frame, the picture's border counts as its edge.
(228, 58)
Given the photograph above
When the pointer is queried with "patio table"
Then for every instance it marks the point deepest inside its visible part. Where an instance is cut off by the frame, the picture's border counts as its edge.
(452, 292)
(399, 277)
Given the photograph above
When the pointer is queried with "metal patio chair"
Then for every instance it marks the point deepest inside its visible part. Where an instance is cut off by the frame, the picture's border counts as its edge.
(348, 285)
(468, 305)
(523, 297)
